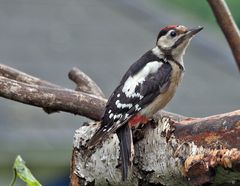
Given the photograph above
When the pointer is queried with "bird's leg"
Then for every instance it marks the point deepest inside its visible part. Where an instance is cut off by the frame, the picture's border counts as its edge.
(153, 122)
(139, 131)
(138, 134)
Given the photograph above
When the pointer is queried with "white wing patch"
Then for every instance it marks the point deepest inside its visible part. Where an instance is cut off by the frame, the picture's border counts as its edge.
(111, 115)
(123, 105)
(117, 116)
(137, 108)
(137, 95)
(126, 116)
(132, 82)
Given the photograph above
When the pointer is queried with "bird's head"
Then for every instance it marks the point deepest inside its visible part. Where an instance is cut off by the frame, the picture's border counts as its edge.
(174, 39)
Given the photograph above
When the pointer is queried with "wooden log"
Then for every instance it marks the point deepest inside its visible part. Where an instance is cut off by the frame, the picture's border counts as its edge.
(188, 152)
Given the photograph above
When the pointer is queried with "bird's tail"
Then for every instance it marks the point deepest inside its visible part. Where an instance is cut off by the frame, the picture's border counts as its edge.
(126, 146)
(100, 135)
(103, 132)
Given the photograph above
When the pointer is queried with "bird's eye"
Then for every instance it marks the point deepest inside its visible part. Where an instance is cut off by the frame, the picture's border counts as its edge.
(173, 34)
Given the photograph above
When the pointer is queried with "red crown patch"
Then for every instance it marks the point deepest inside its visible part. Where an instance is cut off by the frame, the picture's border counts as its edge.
(169, 27)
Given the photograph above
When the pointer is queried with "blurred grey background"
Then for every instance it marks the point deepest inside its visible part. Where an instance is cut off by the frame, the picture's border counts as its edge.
(46, 38)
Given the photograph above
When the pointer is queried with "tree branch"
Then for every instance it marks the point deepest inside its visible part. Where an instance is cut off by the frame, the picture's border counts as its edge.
(17, 75)
(228, 26)
(191, 148)
(211, 132)
(27, 89)
(84, 83)
(52, 98)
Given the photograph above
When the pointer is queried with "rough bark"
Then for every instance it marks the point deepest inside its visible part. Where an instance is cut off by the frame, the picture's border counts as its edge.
(228, 26)
(178, 150)
(55, 99)
(188, 152)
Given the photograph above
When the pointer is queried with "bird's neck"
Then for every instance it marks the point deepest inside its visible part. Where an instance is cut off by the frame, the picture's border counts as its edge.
(177, 57)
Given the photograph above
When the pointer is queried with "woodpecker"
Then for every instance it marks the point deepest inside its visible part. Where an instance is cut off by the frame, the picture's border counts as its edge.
(147, 86)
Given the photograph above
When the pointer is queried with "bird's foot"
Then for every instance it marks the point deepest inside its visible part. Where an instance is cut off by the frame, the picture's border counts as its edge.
(153, 123)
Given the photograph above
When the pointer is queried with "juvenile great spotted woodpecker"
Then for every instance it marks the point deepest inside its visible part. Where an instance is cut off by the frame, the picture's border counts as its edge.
(147, 86)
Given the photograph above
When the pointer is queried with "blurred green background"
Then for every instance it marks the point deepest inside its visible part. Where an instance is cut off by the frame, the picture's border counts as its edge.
(46, 38)
(201, 9)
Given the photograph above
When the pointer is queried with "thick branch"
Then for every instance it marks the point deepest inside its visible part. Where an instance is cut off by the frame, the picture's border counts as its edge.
(53, 98)
(61, 99)
(25, 81)
(173, 116)
(211, 132)
(165, 152)
(228, 26)
(17, 75)
(185, 144)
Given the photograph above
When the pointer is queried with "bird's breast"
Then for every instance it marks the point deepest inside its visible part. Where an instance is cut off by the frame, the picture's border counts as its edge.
(163, 98)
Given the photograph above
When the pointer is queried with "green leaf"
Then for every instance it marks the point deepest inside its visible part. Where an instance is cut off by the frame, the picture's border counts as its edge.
(21, 171)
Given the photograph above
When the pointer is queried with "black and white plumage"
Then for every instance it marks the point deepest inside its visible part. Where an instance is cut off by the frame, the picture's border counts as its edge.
(147, 86)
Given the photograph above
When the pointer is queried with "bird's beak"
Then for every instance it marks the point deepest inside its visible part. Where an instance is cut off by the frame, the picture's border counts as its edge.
(188, 34)
(191, 32)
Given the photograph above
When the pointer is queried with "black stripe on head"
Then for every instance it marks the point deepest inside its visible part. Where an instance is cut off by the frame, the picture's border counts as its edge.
(165, 30)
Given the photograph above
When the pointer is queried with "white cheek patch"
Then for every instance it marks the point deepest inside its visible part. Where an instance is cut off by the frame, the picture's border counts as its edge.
(167, 41)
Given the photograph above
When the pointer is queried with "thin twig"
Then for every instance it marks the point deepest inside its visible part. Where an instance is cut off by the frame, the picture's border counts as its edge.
(84, 82)
(228, 26)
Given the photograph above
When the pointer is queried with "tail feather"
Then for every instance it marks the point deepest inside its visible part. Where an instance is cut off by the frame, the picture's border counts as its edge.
(125, 137)
(99, 136)
(103, 132)
(124, 134)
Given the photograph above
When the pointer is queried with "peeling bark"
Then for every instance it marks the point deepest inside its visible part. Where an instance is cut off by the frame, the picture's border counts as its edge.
(211, 132)
(212, 165)
(166, 154)
(175, 150)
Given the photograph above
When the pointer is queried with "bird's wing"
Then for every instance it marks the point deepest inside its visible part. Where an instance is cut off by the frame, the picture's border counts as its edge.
(130, 97)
